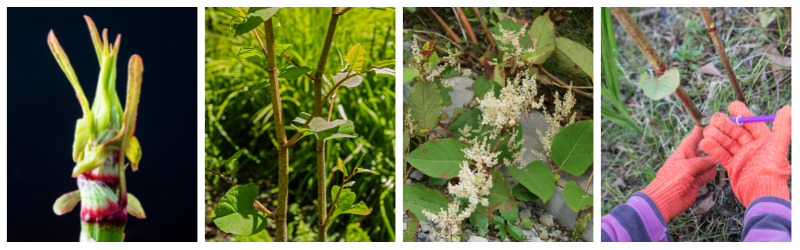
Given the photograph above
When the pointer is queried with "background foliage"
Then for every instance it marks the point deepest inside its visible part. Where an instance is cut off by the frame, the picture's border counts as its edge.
(239, 117)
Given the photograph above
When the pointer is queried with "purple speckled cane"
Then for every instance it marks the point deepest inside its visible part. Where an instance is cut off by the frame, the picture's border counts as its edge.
(742, 120)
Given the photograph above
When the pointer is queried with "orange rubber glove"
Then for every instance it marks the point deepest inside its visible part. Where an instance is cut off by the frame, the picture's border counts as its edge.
(754, 155)
(675, 187)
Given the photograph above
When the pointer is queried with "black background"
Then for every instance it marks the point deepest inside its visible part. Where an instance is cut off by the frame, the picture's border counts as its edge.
(42, 111)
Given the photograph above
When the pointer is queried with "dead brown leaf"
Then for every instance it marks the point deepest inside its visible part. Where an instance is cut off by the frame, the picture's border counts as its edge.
(709, 69)
(704, 205)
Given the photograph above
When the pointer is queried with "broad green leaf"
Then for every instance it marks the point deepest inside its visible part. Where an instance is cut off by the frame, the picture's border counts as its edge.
(290, 72)
(236, 214)
(661, 87)
(325, 130)
(483, 85)
(345, 203)
(574, 58)
(349, 80)
(481, 222)
(425, 103)
(67, 202)
(433, 61)
(499, 221)
(255, 17)
(522, 193)
(406, 139)
(445, 94)
(536, 11)
(82, 134)
(417, 197)
(577, 231)
(537, 178)
(355, 57)
(409, 74)
(501, 232)
(262, 236)
(440, 158)
(500, 199)
(515, 232)
(254, 55)
(356, 234)
(572, 148)
(135, 207)
(413, 226)
(437, 181)
(576, 198)
(510, 25)
(449, 71)
(542, 37)
(498, 77)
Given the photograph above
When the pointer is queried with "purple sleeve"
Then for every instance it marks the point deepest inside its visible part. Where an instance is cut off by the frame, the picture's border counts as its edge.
(636, 220)
(768, 218)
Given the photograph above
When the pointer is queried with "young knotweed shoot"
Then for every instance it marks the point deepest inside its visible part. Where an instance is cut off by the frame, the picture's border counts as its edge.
(102, 138)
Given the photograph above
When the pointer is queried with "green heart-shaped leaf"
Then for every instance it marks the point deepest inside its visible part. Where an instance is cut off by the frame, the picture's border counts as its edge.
(661, 87)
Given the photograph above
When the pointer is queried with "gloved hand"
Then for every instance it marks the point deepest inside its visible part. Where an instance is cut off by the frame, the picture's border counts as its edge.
(675, 187)
(754, 155)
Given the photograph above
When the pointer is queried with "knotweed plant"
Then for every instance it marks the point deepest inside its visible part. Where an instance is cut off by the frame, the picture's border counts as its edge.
(103, 137)
(237, 217)
(486, 134)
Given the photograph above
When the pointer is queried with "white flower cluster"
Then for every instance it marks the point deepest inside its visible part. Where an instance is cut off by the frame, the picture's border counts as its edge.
(415, 51)
(562, 110)
(481, 153)
(512, 38)
(516, 96)
(475, 187)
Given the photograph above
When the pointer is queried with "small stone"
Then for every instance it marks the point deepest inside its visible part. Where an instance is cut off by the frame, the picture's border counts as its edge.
(525, 214)
(557, 233)
(535, 239)
(543, 234)
(522, 205)
(409, 182)
(477, 239)
(425, 226)
(421, 237)
(547, 220)
(528, 233)
(416, 175)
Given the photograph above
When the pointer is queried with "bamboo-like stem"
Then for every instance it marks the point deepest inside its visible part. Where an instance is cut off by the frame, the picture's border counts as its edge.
(564, 85)
(283, 152)
(467, 26)
(712, 32)
(659, 66)
(322, 234)
(483, 25)
(443, 25)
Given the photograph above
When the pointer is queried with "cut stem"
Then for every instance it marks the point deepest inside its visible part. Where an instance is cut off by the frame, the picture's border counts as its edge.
(467, 26)
(712, 32)
(443, 25)
(483, 25)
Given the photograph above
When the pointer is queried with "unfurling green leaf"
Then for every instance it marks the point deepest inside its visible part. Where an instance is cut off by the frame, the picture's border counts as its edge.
(440, 158)
(133, 151)
(82, 136)
(663, 86)
(67, 202)
(526, 222)
(576, 198)
(255, 16)
(537, 178)
(417, 197)
(341, 167)
(572, 148)
(355, 57)
(574, 58)
(135, 207)
(325, 130)
(236, 213)
(91, 160)
(344, 205)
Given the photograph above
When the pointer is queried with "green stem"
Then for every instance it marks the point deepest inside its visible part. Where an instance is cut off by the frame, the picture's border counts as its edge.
(322, 234)
(283, 152)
